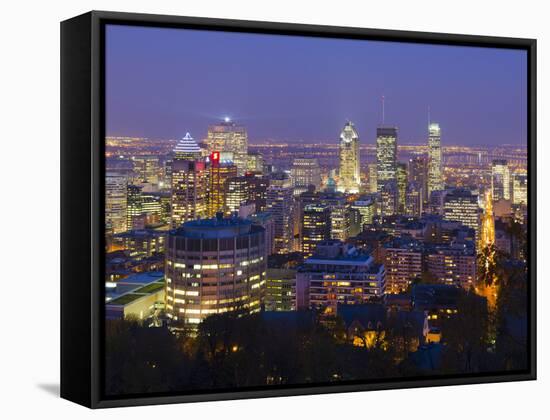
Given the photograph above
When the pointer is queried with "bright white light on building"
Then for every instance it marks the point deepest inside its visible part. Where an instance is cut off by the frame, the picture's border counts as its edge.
(227, 119)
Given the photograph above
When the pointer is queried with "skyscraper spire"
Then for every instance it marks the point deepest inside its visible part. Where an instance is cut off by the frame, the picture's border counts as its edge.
(187, 148)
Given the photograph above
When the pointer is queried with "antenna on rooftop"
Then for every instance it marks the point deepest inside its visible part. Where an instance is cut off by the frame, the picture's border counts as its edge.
(383, 109)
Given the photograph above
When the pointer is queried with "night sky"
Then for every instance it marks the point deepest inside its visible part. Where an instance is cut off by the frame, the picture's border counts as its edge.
(163, 82)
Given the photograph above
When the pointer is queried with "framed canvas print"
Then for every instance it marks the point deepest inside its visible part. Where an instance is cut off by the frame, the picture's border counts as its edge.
(255, 209)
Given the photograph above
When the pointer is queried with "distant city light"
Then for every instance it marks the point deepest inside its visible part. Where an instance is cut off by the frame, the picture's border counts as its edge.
(227, 119)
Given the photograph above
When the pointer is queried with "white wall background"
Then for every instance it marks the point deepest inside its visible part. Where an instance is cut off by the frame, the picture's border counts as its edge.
(29, 138)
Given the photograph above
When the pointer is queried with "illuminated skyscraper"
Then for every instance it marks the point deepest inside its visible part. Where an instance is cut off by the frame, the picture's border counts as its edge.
(418, 173)
(221, 170)
(134, 206)
(349, 175)
(187, 149)
(401, 175)
(315, 226)
(389, 197)
(340, 221)
(500, 180)
(189, 191)
(435, 176)
(386, 156)
(280, 203)
(146, 169)
(116, 202)
(214, 266)
(519, 188)
(238, 193)
(305, 172)
(227, 136)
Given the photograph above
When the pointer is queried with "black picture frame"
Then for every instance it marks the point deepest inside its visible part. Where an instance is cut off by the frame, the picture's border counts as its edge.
(82, 202)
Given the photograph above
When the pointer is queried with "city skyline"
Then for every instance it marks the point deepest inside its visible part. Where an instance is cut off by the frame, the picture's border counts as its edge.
(460, 87)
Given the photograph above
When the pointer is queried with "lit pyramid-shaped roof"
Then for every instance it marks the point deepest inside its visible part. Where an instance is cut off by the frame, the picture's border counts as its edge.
(187, 146)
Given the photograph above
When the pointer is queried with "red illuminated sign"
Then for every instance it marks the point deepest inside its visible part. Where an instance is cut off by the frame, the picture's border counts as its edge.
(215, 157)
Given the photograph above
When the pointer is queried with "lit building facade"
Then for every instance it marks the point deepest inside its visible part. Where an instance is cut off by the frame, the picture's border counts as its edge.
(338, 274)
(386, 156)
(305, 172)
(221, 170)
(315, 227)
(280, 203)
(146, 169)
(435, 173)
(461, 205)
(401, 179)
(403, 261)
(134, 206)
(280, 290)
(214, 266)
(116, 200)
(349, 173)
(519, 188)
(500, 180)
(453, 264)
(227, 136)
(418, 173)
(187, 149)
(189, 191)
(367, 210)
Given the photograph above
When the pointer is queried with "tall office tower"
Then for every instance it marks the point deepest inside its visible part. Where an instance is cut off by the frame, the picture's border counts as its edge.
(315, 227)
(340, 221)
(519, 188)
(349, 174)
(373, 184)
(187, 149)
(116, 202)
(388, 198)
(366, 208)
(401, 177)
(305, 172)
(418, 173)
(386, 156)
(221, 170)
(414, 204)
(435, 176)
(189, 191)
(214, 266)
(134, 206)
(229, 137)
(257, 185)
(461, 205)
(338, 274)
(146, 169)
(500, 180)
(403, 262)
(237, 193)
(255, 162)
(280, 203)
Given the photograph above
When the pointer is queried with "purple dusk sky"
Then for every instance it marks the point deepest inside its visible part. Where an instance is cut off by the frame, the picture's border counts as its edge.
(164, 82)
